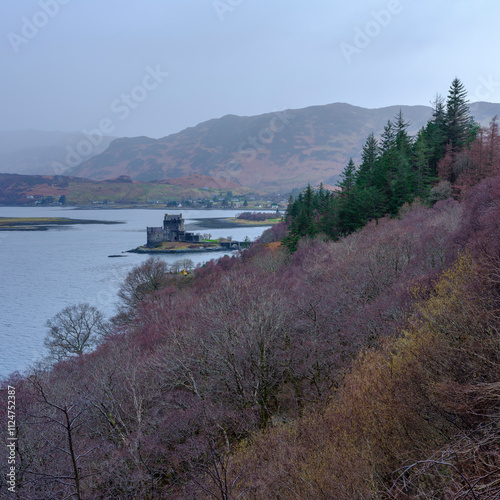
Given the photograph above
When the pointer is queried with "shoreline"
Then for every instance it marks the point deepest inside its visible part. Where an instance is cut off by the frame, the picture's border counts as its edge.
(44, 223)
(227, 223)
(144, 250)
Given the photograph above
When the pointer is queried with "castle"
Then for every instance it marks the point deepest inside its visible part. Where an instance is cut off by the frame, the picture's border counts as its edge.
(172, 230)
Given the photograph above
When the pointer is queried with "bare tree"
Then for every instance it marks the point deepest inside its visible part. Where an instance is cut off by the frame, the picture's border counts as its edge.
(182, 264)
(150, 276)
(187, 264)
(56, 451)
(75, 330)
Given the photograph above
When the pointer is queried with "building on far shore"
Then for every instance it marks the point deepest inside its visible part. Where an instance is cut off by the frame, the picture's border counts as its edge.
(172, 230)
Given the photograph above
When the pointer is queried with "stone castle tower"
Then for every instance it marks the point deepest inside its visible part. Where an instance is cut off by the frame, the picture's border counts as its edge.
(172, 230)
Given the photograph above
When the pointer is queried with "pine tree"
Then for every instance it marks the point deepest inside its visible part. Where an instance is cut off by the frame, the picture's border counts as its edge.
(349, 217)
(423, 172)
(301, 214)
(396, 170)
(387, 167)
(402, 140)
(370, 181)
(460, 126)
(329, 222)
(401, 175)
(435, 133)
(369, 157)
(388, 138)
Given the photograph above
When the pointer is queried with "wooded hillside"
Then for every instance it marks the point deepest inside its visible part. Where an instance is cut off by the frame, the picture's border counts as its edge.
(356, 362)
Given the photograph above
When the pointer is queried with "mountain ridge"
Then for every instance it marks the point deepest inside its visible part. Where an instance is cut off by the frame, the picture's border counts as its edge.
(274, 152)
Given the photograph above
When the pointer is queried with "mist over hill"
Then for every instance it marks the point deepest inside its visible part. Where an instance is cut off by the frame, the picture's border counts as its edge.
(37, 152)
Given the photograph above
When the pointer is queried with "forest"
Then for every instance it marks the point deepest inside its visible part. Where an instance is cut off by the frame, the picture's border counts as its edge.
(351, 353)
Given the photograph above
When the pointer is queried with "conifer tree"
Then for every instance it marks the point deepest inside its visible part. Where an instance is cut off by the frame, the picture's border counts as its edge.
(388, 138)
(369, 157)
(460, 126)
(401, 175)
(424, 174)
(436, 133)
(349, 217)
(395, 170)
(402, 140)
(301, 218)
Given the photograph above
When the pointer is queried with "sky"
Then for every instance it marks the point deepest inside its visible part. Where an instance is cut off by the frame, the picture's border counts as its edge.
(155, 67)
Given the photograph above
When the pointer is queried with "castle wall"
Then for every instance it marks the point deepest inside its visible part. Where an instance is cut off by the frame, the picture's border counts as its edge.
(172, 230)
(193, 237)
(156, 235)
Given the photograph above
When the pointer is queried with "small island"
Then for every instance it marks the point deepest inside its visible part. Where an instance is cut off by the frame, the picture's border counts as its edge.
(172, 238)
(43, 223)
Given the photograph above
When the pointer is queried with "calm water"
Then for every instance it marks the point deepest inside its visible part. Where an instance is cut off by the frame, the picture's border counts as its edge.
(44, 271)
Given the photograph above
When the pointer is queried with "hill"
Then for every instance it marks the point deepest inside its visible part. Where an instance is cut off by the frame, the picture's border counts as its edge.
(272, 152)
(36, 189)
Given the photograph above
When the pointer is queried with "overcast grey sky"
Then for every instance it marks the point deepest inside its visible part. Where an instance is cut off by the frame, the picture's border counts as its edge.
(154, 67)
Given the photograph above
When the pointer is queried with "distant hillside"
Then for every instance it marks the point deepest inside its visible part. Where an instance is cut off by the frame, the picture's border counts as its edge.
(34, 189)
(484, 112)
(35, 152)
(273, 152)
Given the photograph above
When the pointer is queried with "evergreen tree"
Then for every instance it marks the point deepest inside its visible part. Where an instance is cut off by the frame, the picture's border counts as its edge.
(387, 166)
(349, 216)
(401, 175)
(369, 157)
(394, 171)
(402, 140)
(460, 126)
(436, 133)
(423, 172)
(388, 138)
(301, 215)
(329, 222)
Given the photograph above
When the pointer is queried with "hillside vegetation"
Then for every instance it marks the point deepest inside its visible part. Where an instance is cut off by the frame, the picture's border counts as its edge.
(356, 363)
